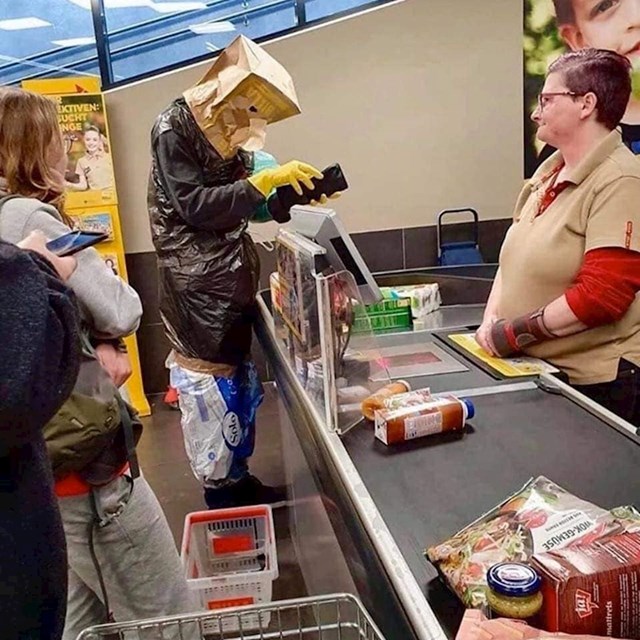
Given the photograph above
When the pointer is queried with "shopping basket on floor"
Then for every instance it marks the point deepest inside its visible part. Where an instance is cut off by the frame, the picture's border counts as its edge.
(330, 617)
(461, 252)
(229, 557)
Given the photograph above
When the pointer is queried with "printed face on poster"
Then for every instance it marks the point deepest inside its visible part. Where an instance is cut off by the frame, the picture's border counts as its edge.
(552, 27)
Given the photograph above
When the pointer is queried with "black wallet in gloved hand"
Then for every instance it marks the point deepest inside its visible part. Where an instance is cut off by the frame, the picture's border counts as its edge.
(332, 181)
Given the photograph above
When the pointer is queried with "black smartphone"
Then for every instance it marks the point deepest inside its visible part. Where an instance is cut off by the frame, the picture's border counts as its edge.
(332, 181)
(75, 241)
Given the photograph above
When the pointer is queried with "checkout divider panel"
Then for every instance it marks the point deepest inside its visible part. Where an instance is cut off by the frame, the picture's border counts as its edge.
(429, 489)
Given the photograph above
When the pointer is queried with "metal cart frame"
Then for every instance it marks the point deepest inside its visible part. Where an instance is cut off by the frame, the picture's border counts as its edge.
(331, 617)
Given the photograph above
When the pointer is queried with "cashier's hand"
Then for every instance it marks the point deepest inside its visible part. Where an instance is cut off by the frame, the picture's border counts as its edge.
(483, 336)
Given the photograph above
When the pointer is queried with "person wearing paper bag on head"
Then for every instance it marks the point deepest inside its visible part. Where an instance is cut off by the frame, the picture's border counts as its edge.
(209, 179)
(566, 290)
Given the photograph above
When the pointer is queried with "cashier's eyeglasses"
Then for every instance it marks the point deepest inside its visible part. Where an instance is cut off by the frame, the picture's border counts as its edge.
(545, 98)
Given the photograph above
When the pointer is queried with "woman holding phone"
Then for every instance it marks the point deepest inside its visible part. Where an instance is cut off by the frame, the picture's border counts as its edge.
(122, 559)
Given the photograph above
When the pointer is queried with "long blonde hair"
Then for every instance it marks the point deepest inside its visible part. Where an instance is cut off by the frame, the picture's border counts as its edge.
(28, 129)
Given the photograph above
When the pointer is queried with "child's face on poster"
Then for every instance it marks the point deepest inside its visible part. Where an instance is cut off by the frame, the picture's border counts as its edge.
(605, 24)
(92, 141)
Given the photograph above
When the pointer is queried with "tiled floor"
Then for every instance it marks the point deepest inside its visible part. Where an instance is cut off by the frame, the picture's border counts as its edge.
(165, 466)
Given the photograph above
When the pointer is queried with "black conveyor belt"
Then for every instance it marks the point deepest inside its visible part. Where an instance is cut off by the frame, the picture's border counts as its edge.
(431, 488)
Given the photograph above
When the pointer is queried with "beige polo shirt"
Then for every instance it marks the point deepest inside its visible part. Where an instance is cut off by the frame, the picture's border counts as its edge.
(542, 254)
(97, 169)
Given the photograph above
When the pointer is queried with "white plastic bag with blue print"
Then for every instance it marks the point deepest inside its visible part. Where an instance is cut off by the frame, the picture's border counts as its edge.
(218, 420)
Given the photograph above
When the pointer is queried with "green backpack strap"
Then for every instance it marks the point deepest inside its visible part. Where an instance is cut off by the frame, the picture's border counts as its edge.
(129, 438)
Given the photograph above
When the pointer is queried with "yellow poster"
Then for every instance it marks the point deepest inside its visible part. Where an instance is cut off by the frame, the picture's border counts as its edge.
(61, 86)
(89, 176)
(509, 367)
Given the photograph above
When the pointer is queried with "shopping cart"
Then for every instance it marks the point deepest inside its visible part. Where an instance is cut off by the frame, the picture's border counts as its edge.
(330, 617)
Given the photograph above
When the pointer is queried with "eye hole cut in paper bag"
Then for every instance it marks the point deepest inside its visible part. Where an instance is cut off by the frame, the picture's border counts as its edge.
(244, 90)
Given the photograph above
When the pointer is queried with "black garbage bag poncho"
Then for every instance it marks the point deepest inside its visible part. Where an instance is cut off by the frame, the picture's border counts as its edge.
(199, 207)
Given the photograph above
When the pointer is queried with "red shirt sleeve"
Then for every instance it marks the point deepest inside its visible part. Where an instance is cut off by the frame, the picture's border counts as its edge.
(605, 286)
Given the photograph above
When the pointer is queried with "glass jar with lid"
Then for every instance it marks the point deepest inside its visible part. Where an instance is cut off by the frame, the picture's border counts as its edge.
(514, 590)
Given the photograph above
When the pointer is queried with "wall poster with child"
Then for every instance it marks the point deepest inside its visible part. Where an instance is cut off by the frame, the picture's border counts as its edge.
(89, 177)
(552, 27)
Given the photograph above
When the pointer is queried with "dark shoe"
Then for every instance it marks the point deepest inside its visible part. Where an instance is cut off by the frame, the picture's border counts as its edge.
(219, 498)
(249, 491)
(245, 493)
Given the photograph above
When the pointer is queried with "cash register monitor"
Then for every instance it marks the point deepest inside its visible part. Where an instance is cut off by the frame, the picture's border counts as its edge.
(323, 227)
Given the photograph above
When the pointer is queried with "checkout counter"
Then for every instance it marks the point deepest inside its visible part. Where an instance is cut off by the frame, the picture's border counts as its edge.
(362, 513)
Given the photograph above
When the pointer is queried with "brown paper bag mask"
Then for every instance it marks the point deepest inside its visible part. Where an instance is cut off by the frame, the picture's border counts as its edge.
(244, 90)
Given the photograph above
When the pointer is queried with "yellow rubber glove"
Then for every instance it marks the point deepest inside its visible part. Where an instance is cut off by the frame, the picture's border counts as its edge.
(292, 173)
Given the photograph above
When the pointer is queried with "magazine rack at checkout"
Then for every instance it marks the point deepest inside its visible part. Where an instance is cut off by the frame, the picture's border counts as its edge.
(463, 252)
(314, 310)
(229, 558)
(329, 617)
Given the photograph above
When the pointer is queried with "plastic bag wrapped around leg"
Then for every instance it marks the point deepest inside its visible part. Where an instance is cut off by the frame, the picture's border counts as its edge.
(218, 419)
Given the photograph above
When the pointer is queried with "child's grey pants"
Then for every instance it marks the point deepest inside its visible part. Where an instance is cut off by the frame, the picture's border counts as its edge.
(136, 553)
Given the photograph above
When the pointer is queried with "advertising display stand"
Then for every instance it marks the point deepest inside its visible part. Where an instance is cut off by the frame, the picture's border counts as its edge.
(91, 198)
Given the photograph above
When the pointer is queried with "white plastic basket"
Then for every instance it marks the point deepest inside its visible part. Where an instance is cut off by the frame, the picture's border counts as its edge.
(229, 557)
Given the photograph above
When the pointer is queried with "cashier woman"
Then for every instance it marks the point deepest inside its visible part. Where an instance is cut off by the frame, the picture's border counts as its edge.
(566, 290)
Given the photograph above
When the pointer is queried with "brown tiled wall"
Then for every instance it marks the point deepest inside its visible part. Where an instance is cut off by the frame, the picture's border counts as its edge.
(389, 250)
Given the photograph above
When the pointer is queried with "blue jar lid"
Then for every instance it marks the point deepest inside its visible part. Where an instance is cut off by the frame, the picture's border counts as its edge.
(513, 579)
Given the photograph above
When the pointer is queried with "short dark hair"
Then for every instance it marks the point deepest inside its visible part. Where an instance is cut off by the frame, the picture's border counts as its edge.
(564, 12)
(605, 73)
